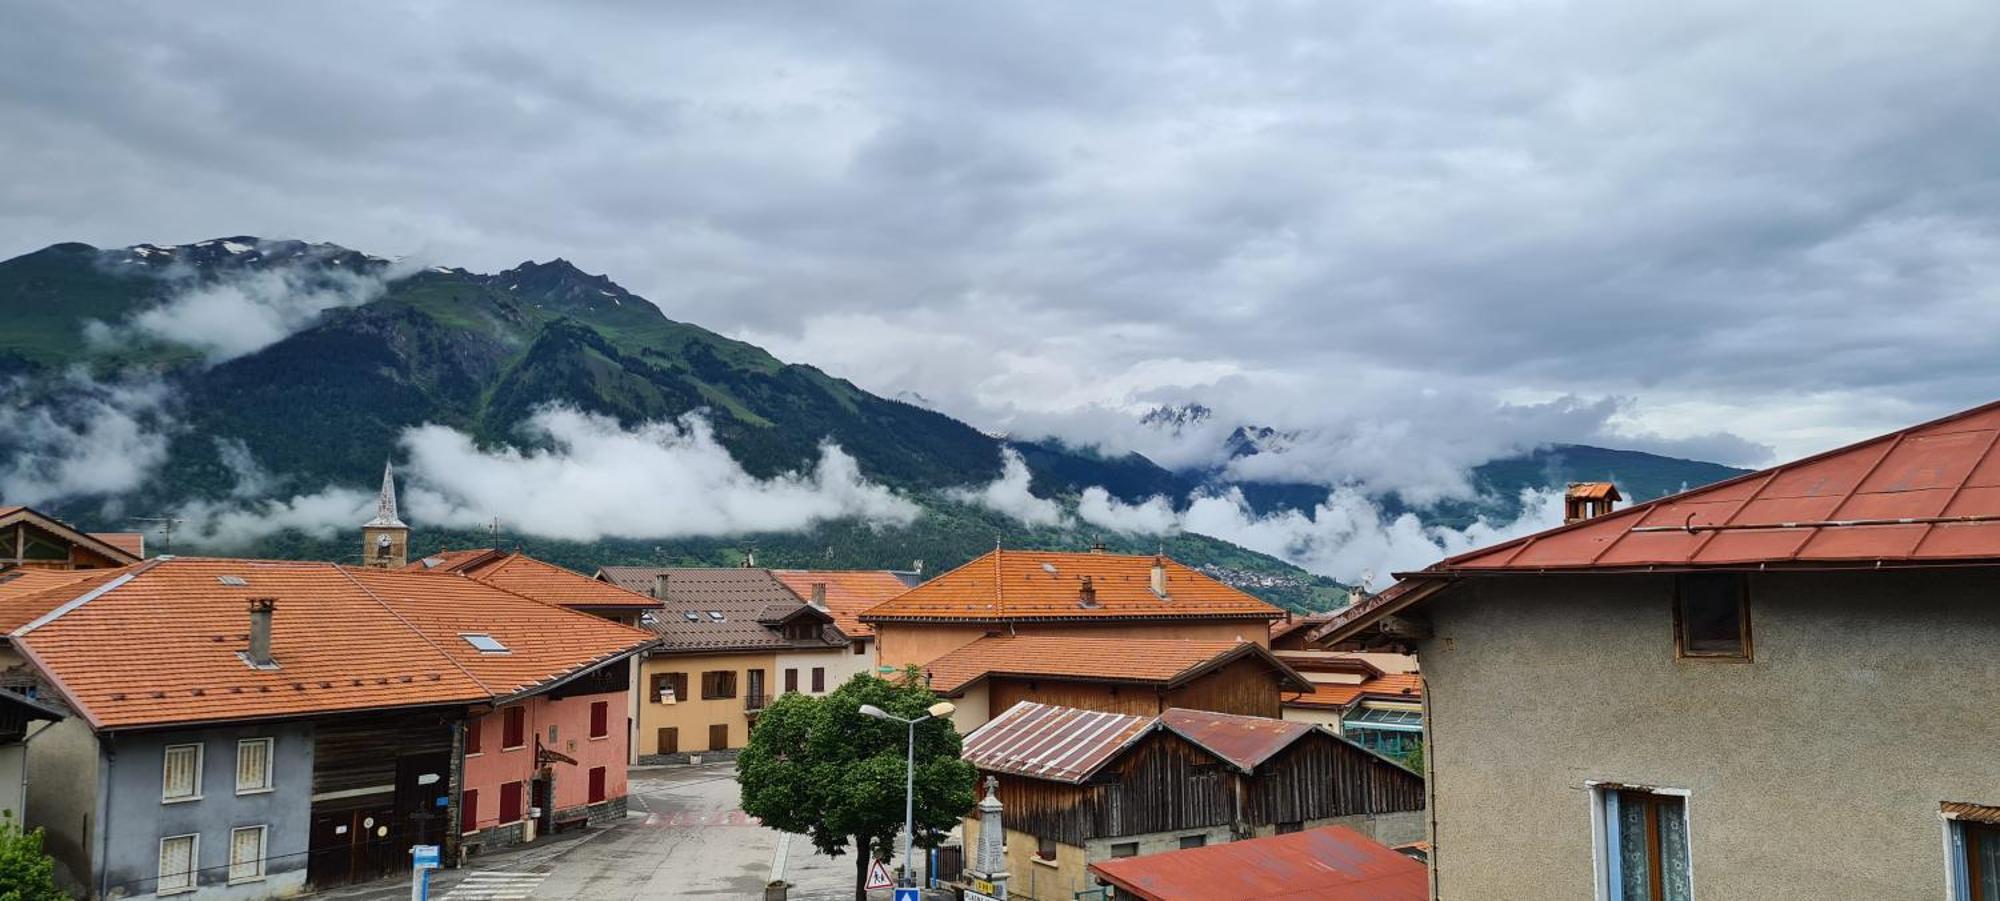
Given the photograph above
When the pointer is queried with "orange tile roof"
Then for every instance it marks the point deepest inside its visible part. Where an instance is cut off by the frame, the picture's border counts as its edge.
(522, 574)
(453, 561)
(158, 642)
(1165, 661)
(848, 592)
(133, 543)
(1340, 696)
(28, 593)
(1031, 585)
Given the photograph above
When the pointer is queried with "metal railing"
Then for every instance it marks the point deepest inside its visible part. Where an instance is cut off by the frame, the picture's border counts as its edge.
(754, 703)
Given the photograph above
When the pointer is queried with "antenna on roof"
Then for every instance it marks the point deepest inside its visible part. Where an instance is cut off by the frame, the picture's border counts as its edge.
(493, 530)
(167, 524)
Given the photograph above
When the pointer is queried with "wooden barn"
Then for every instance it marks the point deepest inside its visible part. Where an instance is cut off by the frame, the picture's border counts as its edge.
(1082, 786)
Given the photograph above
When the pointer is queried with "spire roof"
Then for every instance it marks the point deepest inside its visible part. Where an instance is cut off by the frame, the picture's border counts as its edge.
(385, 505)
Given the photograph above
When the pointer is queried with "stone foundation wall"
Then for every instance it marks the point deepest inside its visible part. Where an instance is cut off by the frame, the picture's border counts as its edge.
(670, 759)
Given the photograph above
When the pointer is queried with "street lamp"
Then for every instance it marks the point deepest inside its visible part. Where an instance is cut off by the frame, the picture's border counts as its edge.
(939, 710)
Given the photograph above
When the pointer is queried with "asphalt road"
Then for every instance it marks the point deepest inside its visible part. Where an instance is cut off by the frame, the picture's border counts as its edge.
(686, 838)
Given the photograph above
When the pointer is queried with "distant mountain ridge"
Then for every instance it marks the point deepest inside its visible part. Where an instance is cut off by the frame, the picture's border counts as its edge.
(481, 352)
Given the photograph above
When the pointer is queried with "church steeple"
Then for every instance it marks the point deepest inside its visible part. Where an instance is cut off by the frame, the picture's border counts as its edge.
(385, 540)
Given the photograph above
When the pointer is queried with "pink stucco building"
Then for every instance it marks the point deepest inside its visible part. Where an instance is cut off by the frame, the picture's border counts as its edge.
(541, 764)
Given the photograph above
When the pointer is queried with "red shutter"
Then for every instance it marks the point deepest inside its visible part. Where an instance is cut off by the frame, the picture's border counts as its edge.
(596, 784)
(515, 733)
(472, 730)
(468, 811)
(600, 719)
(510, 802)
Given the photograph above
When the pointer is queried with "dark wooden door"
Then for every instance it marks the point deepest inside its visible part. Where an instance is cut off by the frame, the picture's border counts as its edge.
(423, 784)
(352, 845)
(718, 737)
(670, 740)
(543, 798)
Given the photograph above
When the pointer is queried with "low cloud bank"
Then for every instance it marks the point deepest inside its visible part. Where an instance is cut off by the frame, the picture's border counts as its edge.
(1009, 494)
(93, 438)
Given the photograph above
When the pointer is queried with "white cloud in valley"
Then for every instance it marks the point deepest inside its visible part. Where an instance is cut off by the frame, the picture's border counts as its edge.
(92, 438)
(1009, 494)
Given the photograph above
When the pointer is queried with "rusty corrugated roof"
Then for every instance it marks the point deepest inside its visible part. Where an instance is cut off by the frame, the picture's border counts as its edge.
(1331, 863)
(1061, 744)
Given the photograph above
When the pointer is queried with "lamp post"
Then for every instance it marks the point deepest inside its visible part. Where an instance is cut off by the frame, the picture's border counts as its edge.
(938, 710)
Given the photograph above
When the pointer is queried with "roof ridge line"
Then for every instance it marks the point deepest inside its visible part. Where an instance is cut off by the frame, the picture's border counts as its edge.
(85, 598)
(426, 639)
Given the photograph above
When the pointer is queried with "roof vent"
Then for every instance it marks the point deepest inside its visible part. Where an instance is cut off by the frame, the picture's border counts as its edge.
(1586, 500)
(1086, 594)
(1049, 568)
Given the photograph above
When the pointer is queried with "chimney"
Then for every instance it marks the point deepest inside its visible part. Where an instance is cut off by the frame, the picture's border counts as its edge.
(259, 654)
(1097, 545)
(1585, 500)
(1086, 594)
(660, 586)
(819, 595)
(1159, 576)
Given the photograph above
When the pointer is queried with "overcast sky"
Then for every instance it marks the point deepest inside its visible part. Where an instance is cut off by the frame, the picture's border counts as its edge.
(1739, 231)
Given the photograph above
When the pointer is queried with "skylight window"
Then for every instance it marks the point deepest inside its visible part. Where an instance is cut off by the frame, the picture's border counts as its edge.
(715, 615)
(649, 619)
(232, 581)
(485, 644)
(692, 616)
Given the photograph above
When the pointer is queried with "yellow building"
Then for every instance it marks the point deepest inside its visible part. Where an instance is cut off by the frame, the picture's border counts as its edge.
(731, 640)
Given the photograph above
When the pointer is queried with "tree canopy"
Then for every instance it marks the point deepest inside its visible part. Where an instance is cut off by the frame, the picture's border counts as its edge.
(818, 767)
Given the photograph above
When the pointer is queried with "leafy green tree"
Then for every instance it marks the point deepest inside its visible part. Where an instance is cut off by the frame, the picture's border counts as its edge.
(818, 767)
(1413, 757)
(27, 873)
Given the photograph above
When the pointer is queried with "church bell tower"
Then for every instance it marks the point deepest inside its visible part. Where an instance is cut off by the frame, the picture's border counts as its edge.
(385, 540)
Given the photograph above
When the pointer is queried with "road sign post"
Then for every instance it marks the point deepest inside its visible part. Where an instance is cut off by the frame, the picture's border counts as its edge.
(909, 893)
(423, 859)
(878, 876)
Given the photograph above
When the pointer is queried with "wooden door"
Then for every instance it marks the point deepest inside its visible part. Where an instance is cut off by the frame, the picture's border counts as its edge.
(718, 737)
(670, 740)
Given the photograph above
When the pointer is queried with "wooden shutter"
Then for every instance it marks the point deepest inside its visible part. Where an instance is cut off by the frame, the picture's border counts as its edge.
(177, 855)
(600, 719)
(246, 853)
(473, 728)
(181, 776)
(819, 679)
(515, 731)
(681, 686)
(468, 811)
(596, 784)
(253, 765)
(670, 740)
(510, 802)
(718, 737)
(791, 678)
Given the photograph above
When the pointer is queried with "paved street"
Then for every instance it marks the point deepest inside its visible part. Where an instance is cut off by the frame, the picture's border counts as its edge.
(686, 838)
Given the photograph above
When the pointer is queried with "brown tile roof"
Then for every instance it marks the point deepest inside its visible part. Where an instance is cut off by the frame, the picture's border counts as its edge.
(344, 639)
(1340, 696)
(688, 619)
(848, 592)
(548, 582)
(1038, 585)
(1245, 742)
(1164, 661)
(1330, 863)
(1060, 744)
(1282, 628)
(133, 543)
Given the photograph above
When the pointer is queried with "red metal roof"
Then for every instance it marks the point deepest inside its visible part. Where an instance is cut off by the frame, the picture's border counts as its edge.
(1331, 863)
(1929, 493)
(1061, 744)
(1244, 741)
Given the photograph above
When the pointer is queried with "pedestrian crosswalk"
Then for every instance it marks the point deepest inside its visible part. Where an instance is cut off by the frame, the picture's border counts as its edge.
(495, 885)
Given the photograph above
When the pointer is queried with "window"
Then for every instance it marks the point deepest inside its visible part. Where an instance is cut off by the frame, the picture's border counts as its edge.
(670, 688)
(485, 644)
(1712, 616)
(1045, 849)
(596, 784)
(1125, 849)
(513, 728)
(1193, 841)
(1643, 855)
(468, 811)
(819, 680)
(792, 678)
(510, 803)
(1975, 863)
(474, 727)
(253, 765)
(600, 719)
(669, 740)
(718, 684)
(860, 648)
(181, 778)
(177, 856)
(246, 854)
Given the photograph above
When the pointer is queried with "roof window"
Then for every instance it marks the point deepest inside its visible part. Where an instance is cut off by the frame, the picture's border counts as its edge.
(692, 616)
(232, 581)
(485, 644)
(715, 615)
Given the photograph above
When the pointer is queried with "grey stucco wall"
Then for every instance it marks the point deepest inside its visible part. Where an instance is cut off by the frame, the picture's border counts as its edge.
(137, 819)
(62, 796)
(1813, 772)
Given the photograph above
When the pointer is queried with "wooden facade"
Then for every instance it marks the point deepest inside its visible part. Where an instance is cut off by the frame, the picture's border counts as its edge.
(377, 779)
(1166, 783)
(1244, 687)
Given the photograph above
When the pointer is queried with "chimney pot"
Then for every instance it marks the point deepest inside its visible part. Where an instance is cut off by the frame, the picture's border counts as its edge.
(1586, 500)
(660, 586)
(1086, 594)
(1159, 577)
(1097, 545)
(259, 653)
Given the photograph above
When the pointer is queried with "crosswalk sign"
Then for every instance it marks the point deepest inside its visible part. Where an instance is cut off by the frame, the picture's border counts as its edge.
(908, 894)
(878, 876)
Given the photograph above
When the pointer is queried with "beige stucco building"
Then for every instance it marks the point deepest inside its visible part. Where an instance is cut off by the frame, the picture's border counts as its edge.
(1778, 687)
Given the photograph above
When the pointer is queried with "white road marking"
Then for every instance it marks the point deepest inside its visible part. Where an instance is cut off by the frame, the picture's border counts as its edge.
(496, 885)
